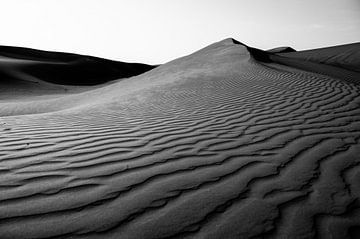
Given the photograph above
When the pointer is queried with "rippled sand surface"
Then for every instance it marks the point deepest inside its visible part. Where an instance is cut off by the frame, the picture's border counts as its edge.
(213, 145)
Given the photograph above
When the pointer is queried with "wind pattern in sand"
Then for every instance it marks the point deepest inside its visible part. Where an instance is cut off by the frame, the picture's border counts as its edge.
(212, 145)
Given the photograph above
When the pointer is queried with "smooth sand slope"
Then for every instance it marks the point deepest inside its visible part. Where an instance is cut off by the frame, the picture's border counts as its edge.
(63, 68)
(225, 143)
(341, 62)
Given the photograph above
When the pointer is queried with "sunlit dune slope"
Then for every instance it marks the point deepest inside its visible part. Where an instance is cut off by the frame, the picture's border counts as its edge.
(341, 62)
(343, 56)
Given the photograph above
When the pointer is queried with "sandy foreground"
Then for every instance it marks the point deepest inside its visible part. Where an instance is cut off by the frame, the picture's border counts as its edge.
(229, 142)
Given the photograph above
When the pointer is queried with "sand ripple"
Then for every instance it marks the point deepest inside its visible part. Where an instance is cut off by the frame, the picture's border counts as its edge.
(246, 150)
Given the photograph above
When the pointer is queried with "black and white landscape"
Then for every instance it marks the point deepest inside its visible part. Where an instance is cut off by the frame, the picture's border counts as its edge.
(227, 142)
(230, 141)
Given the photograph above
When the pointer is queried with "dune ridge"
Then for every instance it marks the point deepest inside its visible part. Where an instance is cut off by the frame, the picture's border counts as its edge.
(228, 142)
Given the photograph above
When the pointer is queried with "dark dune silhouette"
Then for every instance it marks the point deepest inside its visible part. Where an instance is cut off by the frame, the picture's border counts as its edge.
(63, 68)
(228, 142)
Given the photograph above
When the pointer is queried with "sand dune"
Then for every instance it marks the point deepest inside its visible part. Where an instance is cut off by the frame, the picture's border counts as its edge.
(228, 142)
(49, 78)
(342, 62)
(343, 56)
(63, 68)
(283, 49)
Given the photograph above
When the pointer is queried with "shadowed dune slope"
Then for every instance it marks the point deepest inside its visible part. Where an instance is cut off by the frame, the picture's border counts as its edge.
(223, 143)
(23, 64)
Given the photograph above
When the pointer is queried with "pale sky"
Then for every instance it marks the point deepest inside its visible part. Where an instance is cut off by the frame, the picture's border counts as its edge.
(157, 31)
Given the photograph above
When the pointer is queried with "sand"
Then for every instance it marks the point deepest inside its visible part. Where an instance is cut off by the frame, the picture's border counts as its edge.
(228, 142)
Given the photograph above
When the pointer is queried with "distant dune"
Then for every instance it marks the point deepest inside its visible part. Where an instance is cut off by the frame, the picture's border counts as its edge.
(64, 68)
(344, 56)
(341, 62)
(228, 142)
(283, 49)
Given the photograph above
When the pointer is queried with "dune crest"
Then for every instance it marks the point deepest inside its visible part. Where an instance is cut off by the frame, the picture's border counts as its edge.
(283, 49)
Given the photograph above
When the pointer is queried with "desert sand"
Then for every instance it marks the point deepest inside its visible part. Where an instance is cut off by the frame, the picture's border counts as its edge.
(228, 142)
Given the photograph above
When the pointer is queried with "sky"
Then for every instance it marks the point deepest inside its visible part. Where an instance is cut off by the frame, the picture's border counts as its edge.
(157, 31)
